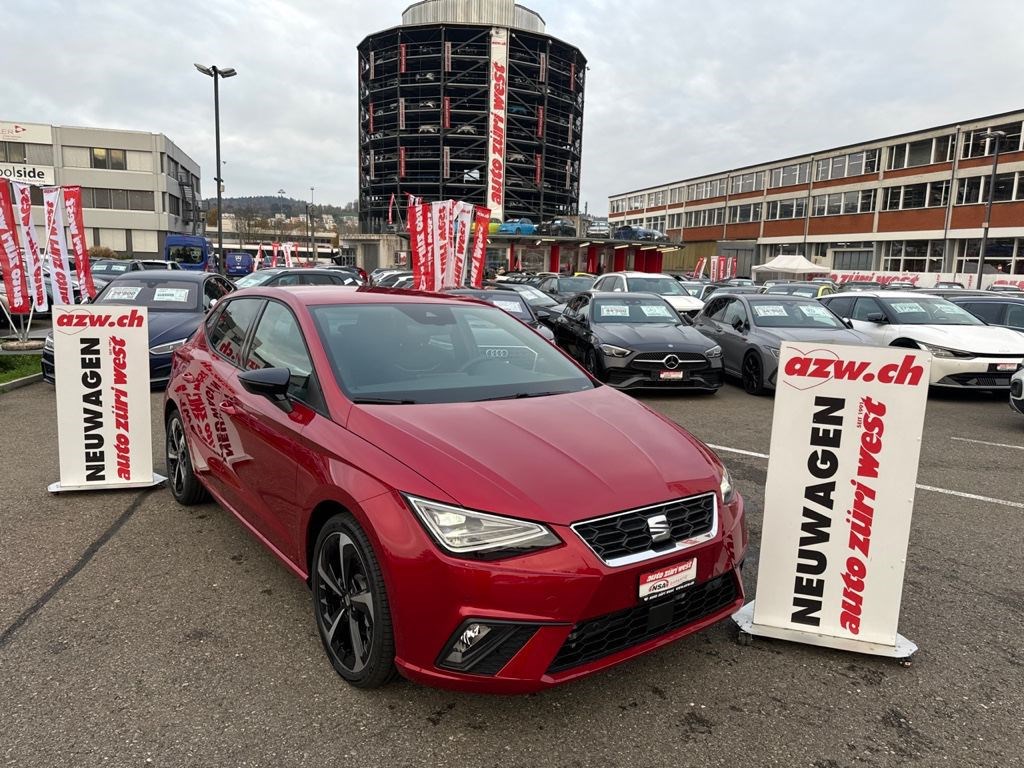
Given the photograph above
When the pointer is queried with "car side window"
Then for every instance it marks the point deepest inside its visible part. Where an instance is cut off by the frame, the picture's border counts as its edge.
(287, 280)
(572, 308)
(989, 311)
(320, 280)
(718, 309)
(278, 343)
(841, 306)
(226, 330)
(583, 311)
(1015, 316)
(734, 310)
(864, 306)
(603, 284)
(615, 284)
(213, 291)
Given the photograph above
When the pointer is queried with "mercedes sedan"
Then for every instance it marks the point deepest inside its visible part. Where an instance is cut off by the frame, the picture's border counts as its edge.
(453, 489)
(637, 341)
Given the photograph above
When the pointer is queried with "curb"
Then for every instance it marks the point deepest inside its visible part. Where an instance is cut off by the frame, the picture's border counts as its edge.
(22, 382)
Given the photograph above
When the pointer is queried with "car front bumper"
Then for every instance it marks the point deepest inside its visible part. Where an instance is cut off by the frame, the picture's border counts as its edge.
(973, 373)
(567, 613)
(633, 372)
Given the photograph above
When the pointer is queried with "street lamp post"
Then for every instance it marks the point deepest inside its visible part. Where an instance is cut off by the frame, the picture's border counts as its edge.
(312, 231)
(998, 136)
(217, 73)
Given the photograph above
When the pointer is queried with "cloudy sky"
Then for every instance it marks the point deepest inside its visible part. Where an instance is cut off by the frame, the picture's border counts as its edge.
(676, 88)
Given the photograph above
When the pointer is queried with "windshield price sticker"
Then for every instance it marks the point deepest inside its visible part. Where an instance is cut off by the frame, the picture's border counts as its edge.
(907, 307)
(118, 267)
(614, 310)
(122, 293)
(655, 310)
(513, 307)
(770, 310)
(171, 294)
(666, 580)
(813, 310)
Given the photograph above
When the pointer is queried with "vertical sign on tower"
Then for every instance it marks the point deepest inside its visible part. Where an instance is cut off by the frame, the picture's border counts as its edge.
(496, 139)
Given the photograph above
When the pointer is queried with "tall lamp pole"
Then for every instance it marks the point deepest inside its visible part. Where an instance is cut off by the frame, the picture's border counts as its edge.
(998, 136)
(217, 73)
(312, 252)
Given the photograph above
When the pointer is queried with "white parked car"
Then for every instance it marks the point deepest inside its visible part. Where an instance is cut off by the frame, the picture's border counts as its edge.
(966, 353)
(665, 286)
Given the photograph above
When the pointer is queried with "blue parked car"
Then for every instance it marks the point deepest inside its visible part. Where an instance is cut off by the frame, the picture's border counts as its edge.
(518, 227)
(238, 263)
(177, 300)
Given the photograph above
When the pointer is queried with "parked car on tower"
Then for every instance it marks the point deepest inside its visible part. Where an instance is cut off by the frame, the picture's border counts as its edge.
(637, 341)
(557, 227)
(448, 484)
(518, 227)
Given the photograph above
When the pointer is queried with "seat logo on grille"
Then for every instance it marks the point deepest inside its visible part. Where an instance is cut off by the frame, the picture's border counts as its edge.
(659, 528)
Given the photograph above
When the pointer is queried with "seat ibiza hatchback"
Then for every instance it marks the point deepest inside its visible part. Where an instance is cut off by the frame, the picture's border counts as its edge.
(467, 505)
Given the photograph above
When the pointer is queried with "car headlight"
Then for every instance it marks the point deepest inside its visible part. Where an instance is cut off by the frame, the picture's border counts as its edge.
(48, 344)
(478, 534)
(715, 351)
(612, 351)
(775, 351)
(726, 486)
(942, 351)
(163, 349)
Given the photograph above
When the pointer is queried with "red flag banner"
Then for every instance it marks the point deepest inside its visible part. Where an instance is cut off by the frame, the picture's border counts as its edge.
(463, 221)
(731, 271)
(29, 244)
(698, 271)
(15, 284)
(713, 268)
(421, 240)
(83, 269)
(476, 272)
(258, 262)
(721, 267)
(391, 205)
(57, 247)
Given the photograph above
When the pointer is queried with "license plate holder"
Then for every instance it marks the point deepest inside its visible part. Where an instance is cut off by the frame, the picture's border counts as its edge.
(666, 580)
(672, 375)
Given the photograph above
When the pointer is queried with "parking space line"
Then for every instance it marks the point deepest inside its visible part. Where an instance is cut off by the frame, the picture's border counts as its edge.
(986, 442)
(947, 491)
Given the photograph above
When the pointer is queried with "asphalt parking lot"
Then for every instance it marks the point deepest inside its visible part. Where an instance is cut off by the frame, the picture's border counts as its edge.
(137, 632)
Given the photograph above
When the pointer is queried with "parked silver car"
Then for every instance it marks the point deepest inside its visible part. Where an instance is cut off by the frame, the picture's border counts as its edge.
(750, 329)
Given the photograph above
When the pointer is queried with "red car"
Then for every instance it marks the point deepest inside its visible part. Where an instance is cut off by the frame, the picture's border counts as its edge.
(468, 506)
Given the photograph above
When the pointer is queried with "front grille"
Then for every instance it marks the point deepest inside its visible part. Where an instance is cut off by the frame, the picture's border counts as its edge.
(596, 638)
(625, 537)
(979, 379)
(655, 361)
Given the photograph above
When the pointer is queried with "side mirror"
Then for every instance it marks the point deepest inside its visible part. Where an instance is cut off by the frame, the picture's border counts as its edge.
(739, 324)
(875, 317)
(271, 383)
(847, 322)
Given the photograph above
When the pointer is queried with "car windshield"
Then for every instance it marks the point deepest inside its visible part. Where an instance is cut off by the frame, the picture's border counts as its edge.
(256, 278)
(692, 288)
(506, 300)
(793, 314)
(810, 291)
(663, 286)
(574, 284)
(187, 255)
(633, 310)
(161, 296)
(110, 267)
(921, 310)
(535, 296)
(408, 353)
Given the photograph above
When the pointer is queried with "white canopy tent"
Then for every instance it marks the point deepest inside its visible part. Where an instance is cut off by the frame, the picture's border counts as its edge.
(790, 264)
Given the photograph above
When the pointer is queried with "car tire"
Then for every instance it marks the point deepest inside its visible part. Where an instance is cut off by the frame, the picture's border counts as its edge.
(185, 486)
(517, 231)
(350, 604)
(751, 374)
(590, 362)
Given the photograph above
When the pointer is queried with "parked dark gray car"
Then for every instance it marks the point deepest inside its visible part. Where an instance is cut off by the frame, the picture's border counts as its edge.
(751, 328)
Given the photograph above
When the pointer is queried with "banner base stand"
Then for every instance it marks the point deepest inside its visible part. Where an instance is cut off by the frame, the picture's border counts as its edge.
(152, 483)
(744, 618)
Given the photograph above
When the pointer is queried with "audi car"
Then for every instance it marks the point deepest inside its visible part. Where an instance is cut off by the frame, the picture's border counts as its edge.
(452, 488)
(637, 341)
(513, 303)
(966, 353)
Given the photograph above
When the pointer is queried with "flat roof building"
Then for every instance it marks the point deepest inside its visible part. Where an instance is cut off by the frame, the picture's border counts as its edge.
(913, 202)
(136, 187)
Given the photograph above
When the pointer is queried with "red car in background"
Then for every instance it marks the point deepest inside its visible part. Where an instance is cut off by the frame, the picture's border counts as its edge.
(468, 506)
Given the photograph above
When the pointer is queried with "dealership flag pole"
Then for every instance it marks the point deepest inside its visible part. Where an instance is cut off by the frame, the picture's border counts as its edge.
(837, 524)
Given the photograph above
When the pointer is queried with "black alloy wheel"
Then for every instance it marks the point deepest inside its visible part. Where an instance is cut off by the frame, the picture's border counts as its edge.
(351, 606)
(753, 383)
(185, 486)
(592, 365)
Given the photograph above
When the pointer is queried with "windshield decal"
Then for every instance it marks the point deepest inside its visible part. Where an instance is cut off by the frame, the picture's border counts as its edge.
(769, 310)
(614, 310)
(656, 310)
(122, 293)
(171, 294)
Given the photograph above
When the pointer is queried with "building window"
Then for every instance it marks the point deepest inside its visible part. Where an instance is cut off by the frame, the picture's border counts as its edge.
(915, 196)
(938, 194)
(969, 191)
(12, 152)
(708, 217)
(1002, 190)
(854, 164)
(139, 200)
(173, 205)
(844, 203)
(976, 145)
(912, 256)
(740, 214)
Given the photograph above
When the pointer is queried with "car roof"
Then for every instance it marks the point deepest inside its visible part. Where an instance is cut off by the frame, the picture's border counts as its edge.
(983, 297)
(314, 295)
(168, 275)
(634, 273)
(885, 295)
(621, 294)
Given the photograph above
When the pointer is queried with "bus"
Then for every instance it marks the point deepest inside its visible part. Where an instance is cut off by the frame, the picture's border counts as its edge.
(190, 251)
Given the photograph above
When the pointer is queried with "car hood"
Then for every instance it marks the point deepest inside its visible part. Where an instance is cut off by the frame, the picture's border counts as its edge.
(982, 339)
(684, 303)
(837, 336)
(642, 336)
(165, 327)
(556, 459)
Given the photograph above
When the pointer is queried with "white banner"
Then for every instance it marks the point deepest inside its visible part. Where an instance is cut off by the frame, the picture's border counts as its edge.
(35, 174)
(440, 215)
(463, 213)
(497, 122)
(57, 246)
(101, 357)
(26, 133)
(846, 438)
(927, 279)
(27, 235)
